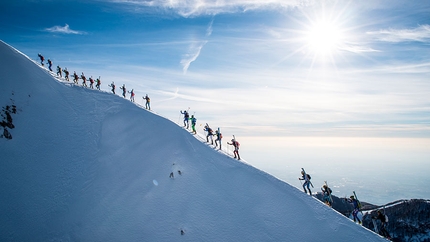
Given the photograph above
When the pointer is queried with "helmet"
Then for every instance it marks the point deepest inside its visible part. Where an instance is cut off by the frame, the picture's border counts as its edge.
(351, 197)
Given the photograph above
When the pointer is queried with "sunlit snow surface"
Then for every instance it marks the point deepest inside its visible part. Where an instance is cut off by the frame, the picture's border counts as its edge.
(85, 165)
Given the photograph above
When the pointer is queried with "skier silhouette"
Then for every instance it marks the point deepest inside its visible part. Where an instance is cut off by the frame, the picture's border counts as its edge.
(218, 138)
(307, 178)
(186, 118)
(59, 73)
(84, 80)
(75, 77)
(113, 87)
(383, 229)
(50, 64)
(355, 203)
(41, 59)
(66, 74)
(193, 124)
(326, 191)
(148, 102)
(131, 95)
(98, 83)
(124, 90)
(209, 133)
(91, 82)
(236, 148)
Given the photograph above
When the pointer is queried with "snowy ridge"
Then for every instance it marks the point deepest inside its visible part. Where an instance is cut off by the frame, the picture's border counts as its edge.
(85, 165)
(201, 137)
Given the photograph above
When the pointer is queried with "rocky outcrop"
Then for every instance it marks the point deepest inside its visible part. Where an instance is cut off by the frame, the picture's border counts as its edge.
(7, 122)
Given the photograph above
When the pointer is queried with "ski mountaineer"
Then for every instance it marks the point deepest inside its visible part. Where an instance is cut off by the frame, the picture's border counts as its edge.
(236, 148)
(193, 124)
(209, 133)
(148, 102)
(218, 138)
(75, 77)
(91, 82)
(355, 203)
(41, 59)
(326, 191)
(50, 64)
(98, 83)
(307, 178)
(383, 229)
(113, 87)
(66, 74)
(59, 71)
(186, 118)
(131, 95)
(124, 90)
(84, 80)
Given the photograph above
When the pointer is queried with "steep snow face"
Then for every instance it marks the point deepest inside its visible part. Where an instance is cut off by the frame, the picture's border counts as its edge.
(85, 165)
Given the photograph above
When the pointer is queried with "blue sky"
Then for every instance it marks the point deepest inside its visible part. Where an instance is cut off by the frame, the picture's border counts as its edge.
(254, 68)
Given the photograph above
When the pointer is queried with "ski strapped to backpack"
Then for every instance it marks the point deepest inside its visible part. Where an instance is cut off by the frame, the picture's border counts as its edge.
(358, 202)
(330, 191)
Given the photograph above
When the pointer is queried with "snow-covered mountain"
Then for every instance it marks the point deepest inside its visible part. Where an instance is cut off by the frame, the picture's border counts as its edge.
(86, 165)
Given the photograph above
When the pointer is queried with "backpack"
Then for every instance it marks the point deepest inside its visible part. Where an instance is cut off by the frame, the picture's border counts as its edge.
(237, 144)
(309, 176)
(220, 135)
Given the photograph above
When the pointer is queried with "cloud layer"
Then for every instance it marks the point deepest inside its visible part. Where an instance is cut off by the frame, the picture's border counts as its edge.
(418, 34)
(63, 30)
(195, 49)
(189, 8)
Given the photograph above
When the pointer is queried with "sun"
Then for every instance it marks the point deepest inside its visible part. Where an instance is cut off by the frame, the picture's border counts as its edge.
(323, 38)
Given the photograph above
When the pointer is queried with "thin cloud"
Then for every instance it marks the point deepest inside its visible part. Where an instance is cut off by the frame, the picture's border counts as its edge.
(195, 50)
(63, 30)
(418, 34)
(190, 8)
(192, 56)
(357, 49)
(209, 29)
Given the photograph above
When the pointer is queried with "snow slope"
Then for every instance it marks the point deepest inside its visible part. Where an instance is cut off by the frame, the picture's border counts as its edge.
(85, 165)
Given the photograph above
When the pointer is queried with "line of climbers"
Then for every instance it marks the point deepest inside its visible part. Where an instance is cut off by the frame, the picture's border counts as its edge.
(91, 80)
(210, 133)
(327, 199)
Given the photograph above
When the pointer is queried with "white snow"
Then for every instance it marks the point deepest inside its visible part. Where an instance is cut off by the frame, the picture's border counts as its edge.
(85, 165)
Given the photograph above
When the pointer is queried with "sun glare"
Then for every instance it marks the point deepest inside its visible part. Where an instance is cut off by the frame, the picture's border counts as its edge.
(323, 38)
